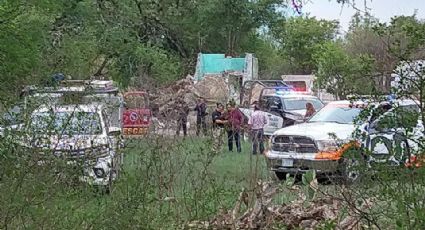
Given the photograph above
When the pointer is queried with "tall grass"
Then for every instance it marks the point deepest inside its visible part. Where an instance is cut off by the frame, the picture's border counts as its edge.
(164, 184)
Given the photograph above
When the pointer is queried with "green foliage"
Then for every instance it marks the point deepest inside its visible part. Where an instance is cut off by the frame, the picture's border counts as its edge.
(299, 38)
(310, 181)
(406, 36)
(146, 62)
(165, 185)
(129, 41)
(271, 62)
(342, 74)
(24, 28)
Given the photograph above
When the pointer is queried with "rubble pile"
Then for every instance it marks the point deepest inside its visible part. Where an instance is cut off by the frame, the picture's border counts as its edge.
(299, 214)
(164, 100)
(213, 88)
(252, 95)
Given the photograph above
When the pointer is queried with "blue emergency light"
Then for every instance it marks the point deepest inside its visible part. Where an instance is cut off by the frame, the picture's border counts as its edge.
(284, 89)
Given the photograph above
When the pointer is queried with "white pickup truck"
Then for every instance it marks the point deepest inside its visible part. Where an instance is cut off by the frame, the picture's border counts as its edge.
(79, 120)
(319, 143)
(76, 133)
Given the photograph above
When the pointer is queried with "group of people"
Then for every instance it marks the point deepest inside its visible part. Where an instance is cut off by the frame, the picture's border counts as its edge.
(229, 120)
(225, 120)
(201, 114)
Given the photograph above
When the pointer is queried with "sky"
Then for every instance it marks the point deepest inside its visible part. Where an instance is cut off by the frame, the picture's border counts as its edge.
(381, 9)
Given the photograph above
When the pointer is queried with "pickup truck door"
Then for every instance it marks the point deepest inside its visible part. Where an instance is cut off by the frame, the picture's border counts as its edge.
(273, 122)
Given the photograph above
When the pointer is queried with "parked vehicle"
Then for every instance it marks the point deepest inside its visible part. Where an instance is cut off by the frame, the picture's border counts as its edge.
(274, 122)
(394, 132)
(289, 105)
(76, 133)
(137, 114)
(78, 120)
(282, 104)
(319, 144)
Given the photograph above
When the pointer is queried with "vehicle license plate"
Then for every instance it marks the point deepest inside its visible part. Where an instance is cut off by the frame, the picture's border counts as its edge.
(287, 162)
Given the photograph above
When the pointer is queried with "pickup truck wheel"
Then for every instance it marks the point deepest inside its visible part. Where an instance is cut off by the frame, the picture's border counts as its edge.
(281, 175)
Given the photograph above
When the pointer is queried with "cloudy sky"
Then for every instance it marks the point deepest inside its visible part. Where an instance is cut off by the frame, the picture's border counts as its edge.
(381, 9)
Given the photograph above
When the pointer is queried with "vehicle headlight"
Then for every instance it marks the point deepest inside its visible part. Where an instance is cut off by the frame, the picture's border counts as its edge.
(327, 145)
(99, 172)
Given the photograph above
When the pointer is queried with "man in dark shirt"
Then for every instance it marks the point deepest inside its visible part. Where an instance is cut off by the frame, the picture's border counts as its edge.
(218, 127)
(217, 116)
(182, 113)
(201, 113)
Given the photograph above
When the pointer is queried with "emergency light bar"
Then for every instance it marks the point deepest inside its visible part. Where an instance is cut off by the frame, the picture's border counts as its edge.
(285, 88)
(282, 90)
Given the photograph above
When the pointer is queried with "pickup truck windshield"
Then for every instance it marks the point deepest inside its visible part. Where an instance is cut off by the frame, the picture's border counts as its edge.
(66, 123)
(341, 115)
(299, 103)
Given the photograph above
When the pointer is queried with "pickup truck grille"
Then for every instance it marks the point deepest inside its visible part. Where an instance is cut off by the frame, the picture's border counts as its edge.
(294, 144)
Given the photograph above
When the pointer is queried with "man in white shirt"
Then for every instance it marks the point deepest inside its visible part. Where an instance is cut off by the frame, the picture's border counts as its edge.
(256, 122)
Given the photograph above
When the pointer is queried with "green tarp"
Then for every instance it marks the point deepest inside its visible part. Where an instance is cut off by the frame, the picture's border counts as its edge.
(218, 63)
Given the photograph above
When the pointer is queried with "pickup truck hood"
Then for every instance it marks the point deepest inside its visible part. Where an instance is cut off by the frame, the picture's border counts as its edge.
(78, 142)
(319, 130)
(299, 112)
(296, 115)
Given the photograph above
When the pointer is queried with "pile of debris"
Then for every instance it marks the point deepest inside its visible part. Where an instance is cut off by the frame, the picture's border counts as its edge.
(295, 215)
(165, 100)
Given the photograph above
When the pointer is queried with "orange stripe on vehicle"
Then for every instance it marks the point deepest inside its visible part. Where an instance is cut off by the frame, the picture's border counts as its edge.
(415, 161)
(336, 155)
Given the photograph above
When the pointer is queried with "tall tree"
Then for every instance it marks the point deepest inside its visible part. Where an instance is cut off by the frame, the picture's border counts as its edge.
(299, 38)
(342, 74)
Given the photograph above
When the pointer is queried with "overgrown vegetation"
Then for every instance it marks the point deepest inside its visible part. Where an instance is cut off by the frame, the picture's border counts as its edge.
(164, 185)
(168, 183)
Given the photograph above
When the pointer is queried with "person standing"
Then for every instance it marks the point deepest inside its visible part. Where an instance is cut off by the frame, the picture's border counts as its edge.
(235, 119)
(309, 110)
(218, 126)
(182, 113)
(201, 113)
(256, 122)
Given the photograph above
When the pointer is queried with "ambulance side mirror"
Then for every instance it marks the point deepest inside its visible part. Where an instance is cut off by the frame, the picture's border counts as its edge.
(114, 131)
